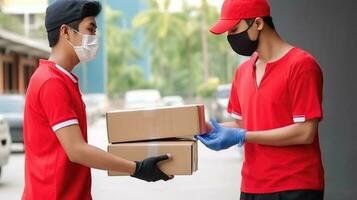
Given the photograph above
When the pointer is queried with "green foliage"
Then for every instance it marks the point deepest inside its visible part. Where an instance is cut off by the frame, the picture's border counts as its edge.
(123, 75)
(183, 54)
(208, 89)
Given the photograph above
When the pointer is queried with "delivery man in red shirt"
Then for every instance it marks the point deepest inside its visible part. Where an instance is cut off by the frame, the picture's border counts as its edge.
(58, 158)
(276, 102)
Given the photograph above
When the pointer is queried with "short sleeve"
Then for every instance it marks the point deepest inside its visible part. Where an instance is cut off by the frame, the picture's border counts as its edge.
(234, 108)
(55, 100)
(305, 88)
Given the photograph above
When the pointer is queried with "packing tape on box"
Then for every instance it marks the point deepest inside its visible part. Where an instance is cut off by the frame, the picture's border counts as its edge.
(153, 149)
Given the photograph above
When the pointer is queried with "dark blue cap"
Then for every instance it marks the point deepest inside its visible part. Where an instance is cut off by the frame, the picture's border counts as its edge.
(66, 11)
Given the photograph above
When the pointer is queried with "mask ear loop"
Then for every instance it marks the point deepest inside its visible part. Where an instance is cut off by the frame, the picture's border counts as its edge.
(68, 38)
(84, 38)
(74, 30)
(250, 25)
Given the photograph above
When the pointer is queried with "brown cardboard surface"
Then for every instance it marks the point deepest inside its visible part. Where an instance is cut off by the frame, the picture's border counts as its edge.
(183, 160)
(195, 157)
(158, 123)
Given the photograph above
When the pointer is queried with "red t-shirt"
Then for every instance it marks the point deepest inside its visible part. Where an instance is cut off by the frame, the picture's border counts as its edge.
(53, 101)
(290, 92)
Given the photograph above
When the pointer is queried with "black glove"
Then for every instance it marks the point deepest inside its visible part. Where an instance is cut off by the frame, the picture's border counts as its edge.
(148, 170)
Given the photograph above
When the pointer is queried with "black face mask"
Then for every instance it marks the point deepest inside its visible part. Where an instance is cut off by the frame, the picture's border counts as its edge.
(242, 44)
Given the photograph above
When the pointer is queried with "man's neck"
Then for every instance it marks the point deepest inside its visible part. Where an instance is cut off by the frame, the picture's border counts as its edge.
(272, 47)
(62, 61)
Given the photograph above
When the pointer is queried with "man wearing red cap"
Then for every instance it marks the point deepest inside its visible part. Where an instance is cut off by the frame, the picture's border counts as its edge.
(276, 102)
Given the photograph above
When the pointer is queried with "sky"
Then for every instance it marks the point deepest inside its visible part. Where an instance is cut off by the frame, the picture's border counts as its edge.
(177, 4)
(39, 6)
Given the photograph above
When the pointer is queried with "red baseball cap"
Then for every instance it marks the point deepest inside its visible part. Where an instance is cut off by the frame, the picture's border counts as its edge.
(235, 10)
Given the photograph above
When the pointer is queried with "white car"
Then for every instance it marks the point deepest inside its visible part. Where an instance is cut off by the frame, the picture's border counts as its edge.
(221, 103)
(173, 101)
(97, 104)
(142, 99)
(5, 142)
(12, 109)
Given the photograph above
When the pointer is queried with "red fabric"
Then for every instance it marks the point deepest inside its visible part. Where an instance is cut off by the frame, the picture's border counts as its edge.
(235, 10)
(291, 88)
(52, 98)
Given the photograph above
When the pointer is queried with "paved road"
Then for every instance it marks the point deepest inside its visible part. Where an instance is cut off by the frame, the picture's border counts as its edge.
(218, 177)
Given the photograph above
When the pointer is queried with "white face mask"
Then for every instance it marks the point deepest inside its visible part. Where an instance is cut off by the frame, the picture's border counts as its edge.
(88, 50)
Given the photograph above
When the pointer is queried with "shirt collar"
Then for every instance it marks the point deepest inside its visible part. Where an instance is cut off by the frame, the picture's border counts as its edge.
(70, 75)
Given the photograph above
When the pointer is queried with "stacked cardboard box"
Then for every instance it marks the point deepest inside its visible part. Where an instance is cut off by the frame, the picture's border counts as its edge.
(138, 134)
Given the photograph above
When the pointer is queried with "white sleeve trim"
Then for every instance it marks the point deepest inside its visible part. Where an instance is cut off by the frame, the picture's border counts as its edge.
(299, 119)
(236, 116)
(64, 124)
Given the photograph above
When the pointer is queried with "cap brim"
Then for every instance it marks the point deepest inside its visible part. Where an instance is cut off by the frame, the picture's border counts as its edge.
(224, 25)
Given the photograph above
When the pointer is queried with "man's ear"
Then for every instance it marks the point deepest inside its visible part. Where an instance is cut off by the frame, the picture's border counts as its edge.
(259, 23)
(64, 31)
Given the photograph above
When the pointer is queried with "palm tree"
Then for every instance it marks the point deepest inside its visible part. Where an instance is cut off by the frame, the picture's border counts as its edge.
(182, 51)
(204, 9)
(122, 73)
(163, 33)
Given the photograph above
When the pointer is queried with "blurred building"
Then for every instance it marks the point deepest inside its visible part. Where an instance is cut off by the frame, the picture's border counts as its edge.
(23, 44)
(18, 60)
(21, 47)
(29, 12)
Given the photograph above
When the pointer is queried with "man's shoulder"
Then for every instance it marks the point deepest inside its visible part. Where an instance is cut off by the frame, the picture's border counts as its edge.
(45, 73)
(300, 56)
(303, 60)
(44, 76)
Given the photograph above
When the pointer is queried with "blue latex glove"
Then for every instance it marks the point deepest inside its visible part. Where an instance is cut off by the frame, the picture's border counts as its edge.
(220, 138)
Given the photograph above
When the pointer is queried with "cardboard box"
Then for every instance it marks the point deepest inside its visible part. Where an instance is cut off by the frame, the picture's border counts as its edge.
(184, 160)
(157, 123)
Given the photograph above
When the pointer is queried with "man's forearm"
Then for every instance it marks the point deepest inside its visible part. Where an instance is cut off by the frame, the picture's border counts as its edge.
(88, 155)
(295, 134)
(232, 124)
(81, 152)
